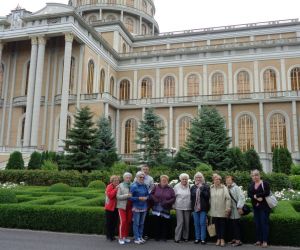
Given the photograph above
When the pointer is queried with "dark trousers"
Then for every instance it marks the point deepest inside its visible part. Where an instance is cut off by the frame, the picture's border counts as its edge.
(261, 218)
(161, 227)
(220, 224)
(111, 223)
(235, 229)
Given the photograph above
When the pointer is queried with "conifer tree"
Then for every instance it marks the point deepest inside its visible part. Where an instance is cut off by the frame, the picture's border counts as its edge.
(15, 161)
(35, 161)
(253, 160)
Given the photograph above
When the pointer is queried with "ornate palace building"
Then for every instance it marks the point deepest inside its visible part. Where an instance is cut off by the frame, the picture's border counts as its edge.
(110, 55)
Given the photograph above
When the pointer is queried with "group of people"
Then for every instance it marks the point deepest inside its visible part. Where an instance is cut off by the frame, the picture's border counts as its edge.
(131, 202)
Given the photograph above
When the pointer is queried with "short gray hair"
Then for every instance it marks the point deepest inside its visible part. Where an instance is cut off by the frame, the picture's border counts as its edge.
(184, 175)
(140, 173)
(127, 174)
(199, 174)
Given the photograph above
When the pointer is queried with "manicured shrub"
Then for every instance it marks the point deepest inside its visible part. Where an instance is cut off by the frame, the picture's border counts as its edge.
(285, 161)
(235, 159)
(35, 161)
(295, 169)
(59, 187)
(203, 167)
(7, 196)
(97, 185)
(49, 165)
(295, 181)
(253, 160)
(275, 161)
(15, 161)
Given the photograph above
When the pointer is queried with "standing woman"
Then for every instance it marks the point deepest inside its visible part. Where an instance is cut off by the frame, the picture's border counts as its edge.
(200, 196)
(124, 206)
(258, 191)
(220, 207)
(163, 197)
(237, 203)
(183, 208)
(111, 211)
(140, 195)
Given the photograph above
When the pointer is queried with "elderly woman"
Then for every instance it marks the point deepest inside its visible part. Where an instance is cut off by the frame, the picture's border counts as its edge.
(124, 206)
(183, 208)
(258, 191)
(237, 203)
(200, 196)
(220, 207)
(139, 196)
(111, 212)
(163, 197)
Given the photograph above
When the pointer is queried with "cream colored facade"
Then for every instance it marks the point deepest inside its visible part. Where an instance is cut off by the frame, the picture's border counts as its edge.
(109, 55)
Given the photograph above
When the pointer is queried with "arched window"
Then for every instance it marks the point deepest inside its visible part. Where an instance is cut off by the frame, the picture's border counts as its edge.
(72, 75)
(112, 86)
(130, 3)
(144, 29)
(102, 81)
(193, 85)
(145, 6)
(1, 78)
(184, 126)
(92, 18)
(246, 132)
(169, 86)
(90, 79)
(130, 136)
(125, 90)
(270, 83)
(27, 77)
(129, 24)
(278, 131)
(146, 88)
(243, 84)
(217, 87)
(124, 49)
(295, 79)
(110, 18)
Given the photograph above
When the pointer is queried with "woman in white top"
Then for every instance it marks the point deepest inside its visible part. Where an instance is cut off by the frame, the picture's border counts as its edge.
(183, 208)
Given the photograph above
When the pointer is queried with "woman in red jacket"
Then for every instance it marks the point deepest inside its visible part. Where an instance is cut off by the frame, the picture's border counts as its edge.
(111, 212)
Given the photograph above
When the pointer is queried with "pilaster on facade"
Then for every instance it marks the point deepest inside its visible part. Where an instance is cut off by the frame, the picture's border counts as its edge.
(79, 79)
(69, 37)
(171, 122)
(106, 110)
(38, 90)
(118, 146)
(30, 92)
(230, 80)
(284, 85)
(157, 83)
(262, 127)
(295, 126)
(135, 85)
(256, 77)
(181, 82)
(230, 123)
(205, 80)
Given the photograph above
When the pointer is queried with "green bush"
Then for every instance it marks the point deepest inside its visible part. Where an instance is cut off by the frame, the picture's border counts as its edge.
(235, 159)
(295, 169)
(253, 160)
(15, 161)
(49, 165)
(35, 161)
(295, 181)
(203, 167)
(59, 187)
(7, 196)
(97, 185)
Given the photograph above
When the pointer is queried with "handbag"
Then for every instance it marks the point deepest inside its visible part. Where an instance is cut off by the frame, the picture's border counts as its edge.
(211, 228)
(271, 199)
(246, 209)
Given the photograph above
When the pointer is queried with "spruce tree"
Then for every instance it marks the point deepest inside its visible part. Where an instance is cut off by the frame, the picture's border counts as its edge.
(35, 161)
(285, 161)
(149, 134)
(15, 161)
(275, 160)
(207, 141)
(235, 159)
(80, 143)
(105, 146)
(253, 160)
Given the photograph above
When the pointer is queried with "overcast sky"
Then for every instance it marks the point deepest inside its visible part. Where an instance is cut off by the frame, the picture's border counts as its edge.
(175, 15)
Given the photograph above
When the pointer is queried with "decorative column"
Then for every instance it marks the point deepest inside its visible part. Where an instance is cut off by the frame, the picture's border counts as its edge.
(30, 92)
(171, 127)
(283, 76)
(116, 41)
(157, 83)
(79, 82)
(38, 91)
(205, 83)
(262, 128)
(295, 126)
(256, 78)
(229, 89)
(135, 86)
(141, 21)
(65, 89)
(230, 122)
(1, 48)
(181, 85)
(106, 109)
(118, 131)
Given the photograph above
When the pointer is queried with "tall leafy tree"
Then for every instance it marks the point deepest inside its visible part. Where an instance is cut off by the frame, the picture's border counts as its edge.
(208, 140)
(80, 143)
(105, 146)
(149, 134)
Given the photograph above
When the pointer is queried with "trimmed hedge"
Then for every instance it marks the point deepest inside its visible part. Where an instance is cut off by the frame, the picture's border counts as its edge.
(7, 196)
(60, 187)
(97, 185)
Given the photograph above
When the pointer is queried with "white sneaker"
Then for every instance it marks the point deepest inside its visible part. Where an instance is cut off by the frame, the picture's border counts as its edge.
(138, 242)
(121, 241)
(127, 240)
(142, 240)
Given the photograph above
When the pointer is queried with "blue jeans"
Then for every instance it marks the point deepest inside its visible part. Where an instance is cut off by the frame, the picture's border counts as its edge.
(138, 224)
(261, 218)
(200, 225)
